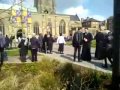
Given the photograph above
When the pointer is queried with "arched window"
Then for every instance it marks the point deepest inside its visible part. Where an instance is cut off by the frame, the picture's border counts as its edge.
(50, 27)
(2, 28)
(62, 27)
(36, 28)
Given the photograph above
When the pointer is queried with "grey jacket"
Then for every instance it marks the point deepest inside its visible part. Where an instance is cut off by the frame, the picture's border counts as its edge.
(2, 41)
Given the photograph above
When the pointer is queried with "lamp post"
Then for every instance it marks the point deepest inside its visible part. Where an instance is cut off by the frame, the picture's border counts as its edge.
(116, 47)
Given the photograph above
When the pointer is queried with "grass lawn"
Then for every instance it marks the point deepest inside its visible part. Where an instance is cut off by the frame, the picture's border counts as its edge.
(15, 52)
(93, 44)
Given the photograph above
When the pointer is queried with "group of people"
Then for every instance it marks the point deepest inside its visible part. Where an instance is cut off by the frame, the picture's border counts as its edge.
(35, 44)
(82, 43)
(82, 38)
(104, 47)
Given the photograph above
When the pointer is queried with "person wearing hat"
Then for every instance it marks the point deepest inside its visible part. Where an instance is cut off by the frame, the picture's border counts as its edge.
(2, 46)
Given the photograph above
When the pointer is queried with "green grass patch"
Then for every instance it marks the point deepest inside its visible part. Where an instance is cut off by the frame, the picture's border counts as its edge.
(15, 52)
(93, 43)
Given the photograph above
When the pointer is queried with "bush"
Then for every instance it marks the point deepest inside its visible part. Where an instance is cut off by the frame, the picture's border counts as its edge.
(50, 75)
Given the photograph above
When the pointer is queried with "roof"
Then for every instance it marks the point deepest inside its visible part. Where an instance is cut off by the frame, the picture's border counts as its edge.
(74, 18)
(16, 7)
(90, 20)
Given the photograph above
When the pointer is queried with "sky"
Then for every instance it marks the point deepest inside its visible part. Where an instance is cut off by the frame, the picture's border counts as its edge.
(98, 9)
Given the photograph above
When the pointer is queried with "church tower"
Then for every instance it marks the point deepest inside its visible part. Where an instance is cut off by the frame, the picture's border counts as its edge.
(45, 6)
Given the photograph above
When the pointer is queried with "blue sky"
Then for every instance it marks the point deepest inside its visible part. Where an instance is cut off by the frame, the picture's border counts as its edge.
(98, 9)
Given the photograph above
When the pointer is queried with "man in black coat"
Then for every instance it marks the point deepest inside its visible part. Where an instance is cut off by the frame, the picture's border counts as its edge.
(99, 42)
(86, 50)
(77, 42)
(2, 46)
(109, 48)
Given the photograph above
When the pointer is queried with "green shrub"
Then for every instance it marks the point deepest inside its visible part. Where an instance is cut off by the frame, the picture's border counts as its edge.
(50, 75)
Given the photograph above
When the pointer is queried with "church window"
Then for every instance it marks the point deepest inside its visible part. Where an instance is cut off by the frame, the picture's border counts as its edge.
(36, 28)
(50, 26)
(62, 27)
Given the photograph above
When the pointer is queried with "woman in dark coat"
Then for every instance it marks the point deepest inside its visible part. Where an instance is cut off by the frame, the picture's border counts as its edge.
(86, 54)
(98, 38)
(45, 43)
(50, 43)
(40, 42)
(23, 45)
(7, 40)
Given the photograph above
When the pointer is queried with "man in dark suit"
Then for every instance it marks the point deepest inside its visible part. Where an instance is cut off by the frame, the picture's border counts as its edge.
(77, 42)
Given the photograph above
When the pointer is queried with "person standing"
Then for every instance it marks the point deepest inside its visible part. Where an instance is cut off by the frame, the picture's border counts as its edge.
(45, 43)
(40, 41)
(50, 43)
(23, 45)
(7, 40)
(86, 50)
(34, 47)
(61, 42)
(109, 49)
(2, 46)
(77, 42)
(99, 38)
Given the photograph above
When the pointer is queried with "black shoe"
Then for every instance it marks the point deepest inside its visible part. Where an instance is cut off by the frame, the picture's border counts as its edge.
(79, 60)
(104, 66)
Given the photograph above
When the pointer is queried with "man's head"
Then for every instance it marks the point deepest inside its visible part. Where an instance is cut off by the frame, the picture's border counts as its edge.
(60, 34)
(86, 30)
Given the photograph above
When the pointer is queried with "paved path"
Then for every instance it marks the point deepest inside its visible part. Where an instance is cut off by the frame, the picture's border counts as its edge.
(67, 57)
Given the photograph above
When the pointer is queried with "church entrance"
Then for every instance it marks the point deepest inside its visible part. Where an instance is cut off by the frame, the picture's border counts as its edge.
(19, 33)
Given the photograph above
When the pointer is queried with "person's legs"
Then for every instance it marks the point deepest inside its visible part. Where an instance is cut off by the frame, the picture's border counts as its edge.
(35, 54)
(32, 53)
(79, 48)
(2, 57)
(105, 63)
(62, 48)
(75, 51)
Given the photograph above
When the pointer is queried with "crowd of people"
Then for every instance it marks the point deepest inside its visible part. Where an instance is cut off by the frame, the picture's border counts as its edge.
(104, 50)
(81, 42)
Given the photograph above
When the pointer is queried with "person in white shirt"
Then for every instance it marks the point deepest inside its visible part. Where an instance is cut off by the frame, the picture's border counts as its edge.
(61, 42)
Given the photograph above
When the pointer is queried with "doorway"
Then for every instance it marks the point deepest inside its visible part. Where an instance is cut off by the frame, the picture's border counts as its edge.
(19, 33)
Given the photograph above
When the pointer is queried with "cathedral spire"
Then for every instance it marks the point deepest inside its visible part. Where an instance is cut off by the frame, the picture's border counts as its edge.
(45, 5)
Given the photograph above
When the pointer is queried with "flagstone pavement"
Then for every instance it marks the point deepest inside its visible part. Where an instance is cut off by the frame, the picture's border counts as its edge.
(67, 57)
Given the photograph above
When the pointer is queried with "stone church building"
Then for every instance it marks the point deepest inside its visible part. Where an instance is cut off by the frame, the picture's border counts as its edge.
(44, 20)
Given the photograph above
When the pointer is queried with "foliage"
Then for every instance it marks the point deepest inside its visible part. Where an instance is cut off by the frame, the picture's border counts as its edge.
(50, 75)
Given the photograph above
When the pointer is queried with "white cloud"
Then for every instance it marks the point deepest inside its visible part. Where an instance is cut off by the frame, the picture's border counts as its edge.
(80, 10)
(82, 13)
(99, 17)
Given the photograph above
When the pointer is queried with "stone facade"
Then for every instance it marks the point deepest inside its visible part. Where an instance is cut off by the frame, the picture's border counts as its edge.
(44, 20)
(110, 23)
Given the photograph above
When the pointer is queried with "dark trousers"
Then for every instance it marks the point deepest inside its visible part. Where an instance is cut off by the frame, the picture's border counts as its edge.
(2, 56)
(75, 51)
(34, 54)
(108, 56)
(106, 61)
(61, 47)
